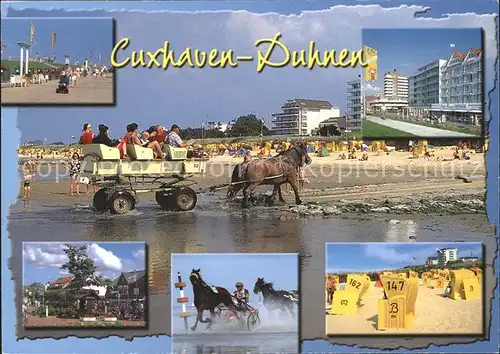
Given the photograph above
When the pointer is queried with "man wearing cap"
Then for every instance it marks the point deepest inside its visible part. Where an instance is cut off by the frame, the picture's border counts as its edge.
(173, 139)
(103, 136)
(87, 135)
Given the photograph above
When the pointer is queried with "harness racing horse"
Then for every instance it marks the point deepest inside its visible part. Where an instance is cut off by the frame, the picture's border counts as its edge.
(276, 299)
(208, 297)
(275, 171)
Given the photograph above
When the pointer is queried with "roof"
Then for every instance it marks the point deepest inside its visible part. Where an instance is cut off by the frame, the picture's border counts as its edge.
(462, 56)
(312, 103)
(459, 54)
(129, 276)
(62, 281)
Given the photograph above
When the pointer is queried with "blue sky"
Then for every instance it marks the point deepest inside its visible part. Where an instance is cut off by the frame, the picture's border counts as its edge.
(54, 119)
(42, 261)
(189, 96)
(406, 50)
(373, 256)
(73, 36)
(227, 269)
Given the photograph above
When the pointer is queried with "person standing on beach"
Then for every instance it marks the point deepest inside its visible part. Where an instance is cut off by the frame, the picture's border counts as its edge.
(87, 135)
(29, 177)
(74, 171)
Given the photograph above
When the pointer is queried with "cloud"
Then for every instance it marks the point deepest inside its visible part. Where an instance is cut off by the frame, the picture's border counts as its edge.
(390, 253)
(45, 255)
(139, 254)
(51, 255)
(194, 94)
(104, 259)
(371, 89)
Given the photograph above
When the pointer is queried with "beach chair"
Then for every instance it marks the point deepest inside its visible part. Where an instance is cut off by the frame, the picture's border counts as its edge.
(464, 285)
(347, 300)
(398, 309)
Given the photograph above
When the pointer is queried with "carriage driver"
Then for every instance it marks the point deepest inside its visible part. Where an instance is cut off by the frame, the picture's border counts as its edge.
(241, 294)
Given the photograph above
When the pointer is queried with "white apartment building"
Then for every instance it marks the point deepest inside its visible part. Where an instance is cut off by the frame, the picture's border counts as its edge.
(462, 78)
(395, 86)
(354, 105)
(461, 88)
(424, 85)
(446, 255)
(301, 116)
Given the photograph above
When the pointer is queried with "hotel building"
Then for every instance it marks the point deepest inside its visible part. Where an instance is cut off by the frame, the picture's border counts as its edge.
(424, 85)
(354, 105)
(301, 116)
(449, 89)
(395, 86)
(446, 255)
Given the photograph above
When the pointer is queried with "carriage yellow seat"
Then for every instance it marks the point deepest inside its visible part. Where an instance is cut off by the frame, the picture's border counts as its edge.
(176, 153)
(99, 159)
(103, 152)
(121, 180)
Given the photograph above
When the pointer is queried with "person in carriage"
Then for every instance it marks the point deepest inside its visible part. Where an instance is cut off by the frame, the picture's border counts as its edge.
(241, 295)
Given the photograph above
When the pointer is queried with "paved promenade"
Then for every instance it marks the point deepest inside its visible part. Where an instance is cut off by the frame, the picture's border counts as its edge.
(88, 90)
(417, 130)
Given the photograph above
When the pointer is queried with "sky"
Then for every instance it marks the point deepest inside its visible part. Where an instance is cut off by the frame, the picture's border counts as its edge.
(42, 261)
(373, 256)
(227, 269)
(190, 96)
(75, 37)
(56, 118)
(406, 50)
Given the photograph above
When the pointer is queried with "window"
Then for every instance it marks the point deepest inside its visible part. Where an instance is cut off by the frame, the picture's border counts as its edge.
(136, 291)
(122, 289)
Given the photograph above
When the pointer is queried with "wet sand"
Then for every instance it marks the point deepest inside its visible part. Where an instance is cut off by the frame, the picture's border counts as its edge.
(87, 90)
(435, 314)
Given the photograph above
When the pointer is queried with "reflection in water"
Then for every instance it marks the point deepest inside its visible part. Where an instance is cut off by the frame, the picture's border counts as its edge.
(401, 231)
(236, 343)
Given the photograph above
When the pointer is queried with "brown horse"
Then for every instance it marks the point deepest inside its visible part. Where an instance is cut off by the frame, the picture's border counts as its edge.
(275, 171)
(237, 181)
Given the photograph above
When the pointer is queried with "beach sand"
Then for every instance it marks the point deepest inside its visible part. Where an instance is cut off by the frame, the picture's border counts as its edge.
(87, 90)
(330, 179)
(435, 314)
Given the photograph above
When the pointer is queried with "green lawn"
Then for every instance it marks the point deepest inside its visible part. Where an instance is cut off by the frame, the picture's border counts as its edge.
(13, 64)
(473, 130)
(373, 130)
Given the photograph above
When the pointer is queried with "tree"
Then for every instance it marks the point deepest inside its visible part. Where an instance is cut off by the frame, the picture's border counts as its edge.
(198, 133)
(329, 130)
(249, 125)
(36, 289)
(81, 266)
(106, 281)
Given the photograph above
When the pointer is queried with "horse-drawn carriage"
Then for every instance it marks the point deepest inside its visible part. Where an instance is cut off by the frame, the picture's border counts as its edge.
(247, 315)
(121, 180)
